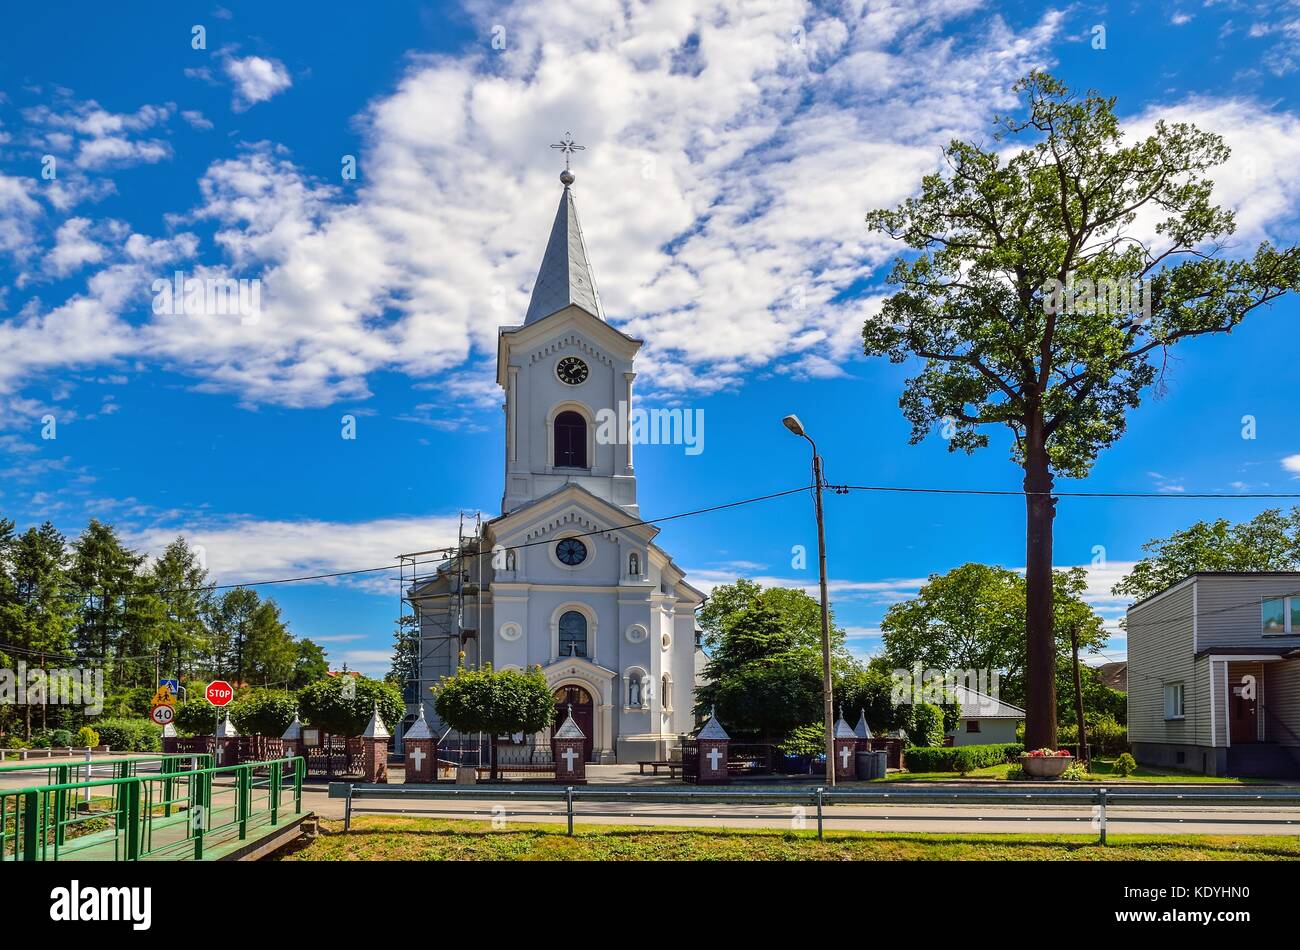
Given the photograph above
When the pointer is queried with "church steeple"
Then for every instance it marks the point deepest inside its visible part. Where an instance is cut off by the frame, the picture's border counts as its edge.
(565, 275)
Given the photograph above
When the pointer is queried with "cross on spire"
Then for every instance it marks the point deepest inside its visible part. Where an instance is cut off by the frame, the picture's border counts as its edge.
(568, 147)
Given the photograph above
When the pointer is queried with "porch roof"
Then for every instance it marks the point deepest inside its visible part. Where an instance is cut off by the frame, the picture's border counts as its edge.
(1228, 651)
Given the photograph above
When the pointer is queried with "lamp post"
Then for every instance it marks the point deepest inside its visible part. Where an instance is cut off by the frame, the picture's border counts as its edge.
(792, 423)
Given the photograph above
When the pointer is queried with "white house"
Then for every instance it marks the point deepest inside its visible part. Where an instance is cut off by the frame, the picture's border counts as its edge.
(984, 719)
(566, 577)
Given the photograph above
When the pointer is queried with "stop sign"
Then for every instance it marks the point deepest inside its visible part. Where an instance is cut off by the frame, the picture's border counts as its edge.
(220, 693)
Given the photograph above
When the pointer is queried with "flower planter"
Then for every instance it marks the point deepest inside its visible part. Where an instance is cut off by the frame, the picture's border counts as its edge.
(1046, 766)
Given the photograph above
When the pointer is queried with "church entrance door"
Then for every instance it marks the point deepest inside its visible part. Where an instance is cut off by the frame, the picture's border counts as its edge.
(584, 714)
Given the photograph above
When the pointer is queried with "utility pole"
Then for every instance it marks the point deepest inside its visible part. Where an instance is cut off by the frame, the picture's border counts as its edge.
(1078, 700)
(828, 703)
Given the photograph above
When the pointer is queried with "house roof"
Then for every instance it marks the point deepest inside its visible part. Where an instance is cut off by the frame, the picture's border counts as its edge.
(1195, 574)
(977, 705)
(1114, 675)
(842, 729)
(862, 730)
(564, 278)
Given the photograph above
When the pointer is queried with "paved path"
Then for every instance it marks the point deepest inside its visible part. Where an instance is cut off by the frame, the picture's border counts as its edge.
(904, 818)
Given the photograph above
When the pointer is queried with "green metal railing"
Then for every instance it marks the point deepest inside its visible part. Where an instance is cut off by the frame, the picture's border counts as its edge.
(171, 814)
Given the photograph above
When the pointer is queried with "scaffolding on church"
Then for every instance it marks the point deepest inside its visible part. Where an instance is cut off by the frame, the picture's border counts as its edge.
(448, 620)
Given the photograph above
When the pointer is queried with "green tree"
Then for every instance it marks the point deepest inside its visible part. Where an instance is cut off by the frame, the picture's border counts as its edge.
(973, 618)
(1268, 542)
(180, 581)
(495, 702)
(325, 704)
(36, 614)
(118, 614)
(405, 671)
(998, 233)
(310, 665)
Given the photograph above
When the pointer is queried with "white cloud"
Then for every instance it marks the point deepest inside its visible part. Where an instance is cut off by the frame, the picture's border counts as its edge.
(1292, 463)
(247, 549)
(256, 79)
(73, 248)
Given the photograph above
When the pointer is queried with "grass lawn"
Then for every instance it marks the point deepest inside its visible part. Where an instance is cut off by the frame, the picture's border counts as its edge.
(1101, 772)
(381, 838)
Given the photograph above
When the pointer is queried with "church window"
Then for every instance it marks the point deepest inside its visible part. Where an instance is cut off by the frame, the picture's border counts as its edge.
(570, 440)
(573, 634)
(571, 551)
(666, 692)
(634, 565)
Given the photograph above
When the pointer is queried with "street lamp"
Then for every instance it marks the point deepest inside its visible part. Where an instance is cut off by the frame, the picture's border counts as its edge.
(792, 423)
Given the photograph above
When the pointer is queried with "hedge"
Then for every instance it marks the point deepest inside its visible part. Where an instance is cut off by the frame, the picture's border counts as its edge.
(1105, 737)
(129, 735)
(959, 758)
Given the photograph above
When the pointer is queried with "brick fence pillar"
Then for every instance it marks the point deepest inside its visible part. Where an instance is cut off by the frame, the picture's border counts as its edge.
(421, 749)
(846, 747)
(568, 745)
(713, 744)
(374, 760)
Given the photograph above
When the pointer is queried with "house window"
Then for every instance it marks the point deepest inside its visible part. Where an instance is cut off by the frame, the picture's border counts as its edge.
(570, 440)
(1173, 700)
(972, 725)
(573, 634)
(1280, 615)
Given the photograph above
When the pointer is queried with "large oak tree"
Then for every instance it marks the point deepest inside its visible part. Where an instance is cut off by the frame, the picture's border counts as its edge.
(1060, 199)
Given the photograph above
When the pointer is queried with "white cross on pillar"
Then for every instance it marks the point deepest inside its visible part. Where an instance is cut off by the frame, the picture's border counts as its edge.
(844, 754)
(221, 752)
(714, 755)
(569, 756)
(418, 756)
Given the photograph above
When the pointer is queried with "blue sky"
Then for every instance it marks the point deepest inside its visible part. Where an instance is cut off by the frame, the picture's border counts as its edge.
(732, 150)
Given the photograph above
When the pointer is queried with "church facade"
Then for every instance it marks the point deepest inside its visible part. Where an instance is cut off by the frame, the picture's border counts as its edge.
(566, 578)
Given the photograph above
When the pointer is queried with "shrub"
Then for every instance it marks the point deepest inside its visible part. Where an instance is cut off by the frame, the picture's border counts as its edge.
(1016, 772)
(962, 758)
(926, 726)
(1125, 765)
(1075, 772)
(52, 739)
(263, 712)
(86, 737)
(130, 735)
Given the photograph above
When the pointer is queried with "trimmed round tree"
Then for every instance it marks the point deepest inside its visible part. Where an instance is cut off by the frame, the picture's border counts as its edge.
(327, 704)
(498, 702)
(263, 712)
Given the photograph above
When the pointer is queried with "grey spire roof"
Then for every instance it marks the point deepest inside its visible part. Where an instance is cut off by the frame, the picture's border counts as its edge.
(842, 729)
(226, 729)
(570, 729)
(293, 732)
(862, 730)
(565, 275)
(376, 729)
(713, 729)
(419, 729)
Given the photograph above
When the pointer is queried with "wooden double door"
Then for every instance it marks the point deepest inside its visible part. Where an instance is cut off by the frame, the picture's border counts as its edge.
(584, 714)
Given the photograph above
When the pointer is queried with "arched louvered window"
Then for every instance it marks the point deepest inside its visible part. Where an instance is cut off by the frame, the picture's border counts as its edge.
(570, 440)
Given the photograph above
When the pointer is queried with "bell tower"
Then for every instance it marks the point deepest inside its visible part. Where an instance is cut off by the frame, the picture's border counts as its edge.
(567, 376)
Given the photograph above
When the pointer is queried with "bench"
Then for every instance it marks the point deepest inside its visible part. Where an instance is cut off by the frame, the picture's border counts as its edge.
(672, 767)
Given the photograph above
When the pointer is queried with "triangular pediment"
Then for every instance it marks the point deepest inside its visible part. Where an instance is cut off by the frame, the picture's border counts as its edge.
(564, 509)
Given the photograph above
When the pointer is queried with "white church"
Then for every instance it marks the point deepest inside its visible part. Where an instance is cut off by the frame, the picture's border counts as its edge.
(565, 578)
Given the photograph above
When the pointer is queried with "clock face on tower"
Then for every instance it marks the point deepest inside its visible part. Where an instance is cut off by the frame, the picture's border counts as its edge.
(571, 370)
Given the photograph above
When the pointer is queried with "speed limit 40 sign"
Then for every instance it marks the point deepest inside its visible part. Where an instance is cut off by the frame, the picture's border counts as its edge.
(163, 715)
(220, 693)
